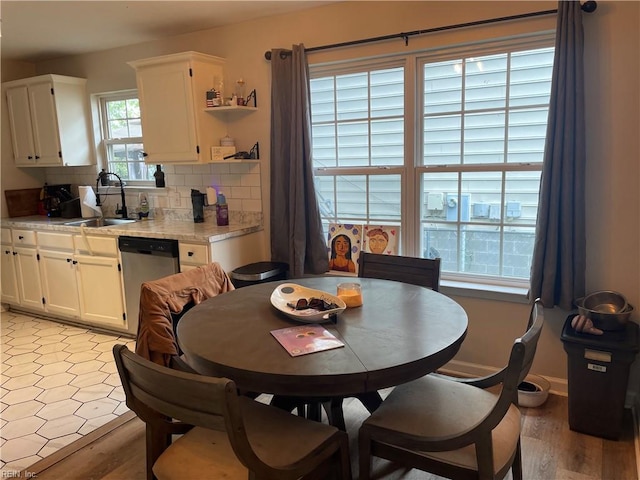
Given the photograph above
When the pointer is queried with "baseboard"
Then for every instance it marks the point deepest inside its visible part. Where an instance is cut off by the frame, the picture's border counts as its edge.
(559, 386)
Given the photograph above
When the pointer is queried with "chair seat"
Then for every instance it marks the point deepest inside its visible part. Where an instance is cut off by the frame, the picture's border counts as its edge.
(203, 450)
(434, 409)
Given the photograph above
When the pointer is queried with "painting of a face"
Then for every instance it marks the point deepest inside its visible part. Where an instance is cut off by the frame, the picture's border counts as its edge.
(342, 245)
(377, 243)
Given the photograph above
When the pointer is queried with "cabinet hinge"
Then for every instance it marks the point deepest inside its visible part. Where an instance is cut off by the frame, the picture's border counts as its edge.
(52, 93)
(38, 256)
(44, 302)
(124, 317)
(190, 73)
(119, 268)
(198, 149)
(59, 154)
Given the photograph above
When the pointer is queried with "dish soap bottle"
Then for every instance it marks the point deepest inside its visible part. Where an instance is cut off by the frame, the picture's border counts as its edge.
(222, 211)
(144, 207)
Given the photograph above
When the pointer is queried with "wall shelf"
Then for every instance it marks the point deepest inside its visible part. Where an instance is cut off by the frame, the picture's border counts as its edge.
(230, 108)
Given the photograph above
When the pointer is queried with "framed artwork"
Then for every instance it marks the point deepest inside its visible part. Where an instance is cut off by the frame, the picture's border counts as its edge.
(383, 239)
(344, 244)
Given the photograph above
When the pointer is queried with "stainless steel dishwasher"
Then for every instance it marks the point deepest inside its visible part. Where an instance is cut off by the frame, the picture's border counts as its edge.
(144, 259)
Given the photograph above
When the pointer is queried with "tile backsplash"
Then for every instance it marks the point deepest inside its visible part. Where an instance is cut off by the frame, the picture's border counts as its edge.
(239, 181)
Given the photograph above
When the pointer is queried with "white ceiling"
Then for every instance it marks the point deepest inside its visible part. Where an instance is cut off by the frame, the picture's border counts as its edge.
(41, 30)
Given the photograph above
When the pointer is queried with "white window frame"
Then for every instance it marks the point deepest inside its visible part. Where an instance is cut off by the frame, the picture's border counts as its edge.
(412, 171)
(107, 141)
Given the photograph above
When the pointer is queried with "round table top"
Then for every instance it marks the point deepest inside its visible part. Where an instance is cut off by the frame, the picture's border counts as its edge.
(402, 332)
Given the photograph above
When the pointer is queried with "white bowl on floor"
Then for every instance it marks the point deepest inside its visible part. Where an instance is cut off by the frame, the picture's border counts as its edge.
(533, 391)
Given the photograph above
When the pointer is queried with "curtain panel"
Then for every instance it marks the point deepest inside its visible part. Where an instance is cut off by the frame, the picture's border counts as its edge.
(559, 257)
(296, 229)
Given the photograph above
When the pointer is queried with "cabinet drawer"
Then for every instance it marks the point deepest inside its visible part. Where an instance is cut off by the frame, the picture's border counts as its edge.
(55, 241)
(105, 246)
(24, 237)
(5, 236)
(191, 254)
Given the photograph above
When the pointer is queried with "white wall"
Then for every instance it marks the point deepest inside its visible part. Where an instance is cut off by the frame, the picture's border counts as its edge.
(613, 123)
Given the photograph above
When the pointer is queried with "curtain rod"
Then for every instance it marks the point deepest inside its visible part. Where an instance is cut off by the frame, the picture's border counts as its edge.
(588, 7)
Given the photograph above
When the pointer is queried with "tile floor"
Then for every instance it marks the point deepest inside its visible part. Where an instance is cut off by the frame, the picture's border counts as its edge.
(57, 383)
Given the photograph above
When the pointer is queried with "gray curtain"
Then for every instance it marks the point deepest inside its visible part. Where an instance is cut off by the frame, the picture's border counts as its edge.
(558, 265)
(296, 229)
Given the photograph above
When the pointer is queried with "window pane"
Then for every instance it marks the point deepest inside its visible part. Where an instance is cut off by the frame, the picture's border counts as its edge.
(353, 144)
(480, 250)
(387, 92)
(527, 133)
(530, 77)
(352, 93)
(484, 136)
(486, 82)
(442, 140)
(442, 87)
(441, 241)
(387, 142)
(324, 146)
(521, 197)
(517, 251)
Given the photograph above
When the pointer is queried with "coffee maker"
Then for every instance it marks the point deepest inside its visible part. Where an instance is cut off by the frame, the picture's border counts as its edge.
(54, 195)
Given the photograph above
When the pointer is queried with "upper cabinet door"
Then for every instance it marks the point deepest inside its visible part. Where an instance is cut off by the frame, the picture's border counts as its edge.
(24, 152)
(168, 120)
(50, 121)
(172, 91)
(45, 124)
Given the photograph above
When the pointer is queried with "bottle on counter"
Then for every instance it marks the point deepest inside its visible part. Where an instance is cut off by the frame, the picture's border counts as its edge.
(159, 176)
(222, 211)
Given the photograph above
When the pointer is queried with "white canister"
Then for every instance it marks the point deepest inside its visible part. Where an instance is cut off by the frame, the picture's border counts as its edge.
(227, 141)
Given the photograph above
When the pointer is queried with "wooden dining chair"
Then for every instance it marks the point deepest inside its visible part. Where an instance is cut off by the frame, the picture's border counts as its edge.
(454, 429)
(224, 435)
(424, 272)
(162, 304)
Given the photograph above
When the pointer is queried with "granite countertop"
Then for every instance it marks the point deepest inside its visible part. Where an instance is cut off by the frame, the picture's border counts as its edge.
(206, 232)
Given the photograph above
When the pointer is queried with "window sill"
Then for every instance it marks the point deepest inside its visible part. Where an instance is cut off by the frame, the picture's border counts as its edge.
(501, 293)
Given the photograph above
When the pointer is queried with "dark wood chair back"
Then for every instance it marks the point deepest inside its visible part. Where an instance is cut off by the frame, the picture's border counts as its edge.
(424, 272)
(171, 401)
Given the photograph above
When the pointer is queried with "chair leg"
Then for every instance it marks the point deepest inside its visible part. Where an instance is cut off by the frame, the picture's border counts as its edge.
(370, 400)
(516, 466)
(156, 443)
(335, 415)
(364, 454)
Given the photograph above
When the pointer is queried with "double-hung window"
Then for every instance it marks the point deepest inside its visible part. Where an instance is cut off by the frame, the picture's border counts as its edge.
(122, 137)
(447, 145)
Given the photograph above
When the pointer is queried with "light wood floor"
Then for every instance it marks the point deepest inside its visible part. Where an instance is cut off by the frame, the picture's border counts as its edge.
(550, 451)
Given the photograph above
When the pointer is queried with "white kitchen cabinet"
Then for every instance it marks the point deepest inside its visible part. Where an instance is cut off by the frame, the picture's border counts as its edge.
(99, 274)
(58, 272)
(100, 288)
(230, 253)
(172, 92)
(28, 276)
(8, 270)
(50, 121)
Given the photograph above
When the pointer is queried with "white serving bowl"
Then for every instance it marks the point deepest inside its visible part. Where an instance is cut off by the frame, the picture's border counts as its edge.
(533, 391)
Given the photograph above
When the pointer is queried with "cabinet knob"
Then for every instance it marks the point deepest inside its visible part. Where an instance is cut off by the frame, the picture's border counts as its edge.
(37, 157)
(7, 252)
(145, 154)
(20, 237)
(14, 253)
(30, 157)
(68, 260)
(74, 262)
(190, 254)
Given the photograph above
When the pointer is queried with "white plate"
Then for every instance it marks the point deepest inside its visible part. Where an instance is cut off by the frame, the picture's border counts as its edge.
(292, 292)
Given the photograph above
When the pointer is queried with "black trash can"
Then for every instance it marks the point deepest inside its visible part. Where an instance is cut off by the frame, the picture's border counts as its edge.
(258, 272)
(598, 373)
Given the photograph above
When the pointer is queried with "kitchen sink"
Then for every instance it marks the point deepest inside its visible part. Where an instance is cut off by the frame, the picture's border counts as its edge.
(100, 222)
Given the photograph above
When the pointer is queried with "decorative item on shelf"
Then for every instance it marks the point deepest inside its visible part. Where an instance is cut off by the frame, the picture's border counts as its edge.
(159, 176)
(213, 100)
(104, 181)
(240, 100)
(253, 154)
(143, 213)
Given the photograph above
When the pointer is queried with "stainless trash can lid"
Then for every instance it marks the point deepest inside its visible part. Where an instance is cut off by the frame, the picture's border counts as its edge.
(258, 271)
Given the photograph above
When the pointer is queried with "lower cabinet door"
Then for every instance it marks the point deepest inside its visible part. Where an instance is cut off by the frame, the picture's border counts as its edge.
(9, 281)
(100, 290)
(59, 283)
(28, 275)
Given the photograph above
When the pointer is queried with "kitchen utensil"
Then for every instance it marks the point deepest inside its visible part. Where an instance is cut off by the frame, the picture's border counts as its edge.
(603, 320)
(605, 301)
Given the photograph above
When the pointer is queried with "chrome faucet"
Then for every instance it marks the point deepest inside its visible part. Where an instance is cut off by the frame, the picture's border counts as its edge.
(122, 211)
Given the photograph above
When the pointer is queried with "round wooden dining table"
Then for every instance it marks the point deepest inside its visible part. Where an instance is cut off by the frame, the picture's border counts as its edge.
(400, 333)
